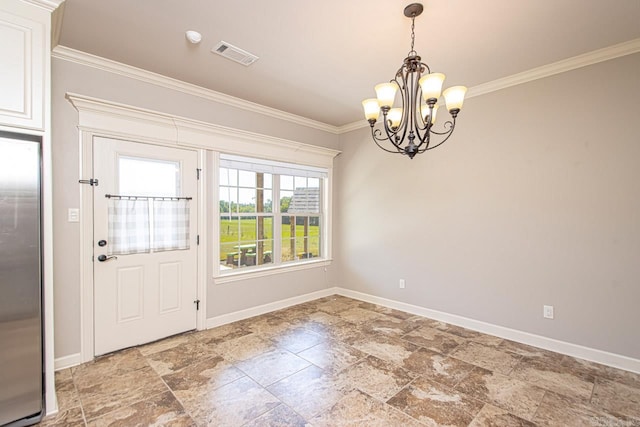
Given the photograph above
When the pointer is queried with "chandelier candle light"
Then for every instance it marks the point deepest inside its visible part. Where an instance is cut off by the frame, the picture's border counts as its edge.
(414, 120)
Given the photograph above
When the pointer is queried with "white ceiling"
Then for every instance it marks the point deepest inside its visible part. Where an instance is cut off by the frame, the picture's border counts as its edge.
(320, 59)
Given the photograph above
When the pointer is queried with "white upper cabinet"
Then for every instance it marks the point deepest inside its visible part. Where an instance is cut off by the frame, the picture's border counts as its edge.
(23, 31)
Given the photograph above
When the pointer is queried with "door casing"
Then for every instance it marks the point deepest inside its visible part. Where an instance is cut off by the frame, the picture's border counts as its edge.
(87, 339)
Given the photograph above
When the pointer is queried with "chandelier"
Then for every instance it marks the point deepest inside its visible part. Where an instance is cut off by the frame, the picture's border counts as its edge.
(414, 120)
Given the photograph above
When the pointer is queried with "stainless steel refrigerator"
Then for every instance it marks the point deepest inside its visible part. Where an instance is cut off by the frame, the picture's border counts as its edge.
(21, 361)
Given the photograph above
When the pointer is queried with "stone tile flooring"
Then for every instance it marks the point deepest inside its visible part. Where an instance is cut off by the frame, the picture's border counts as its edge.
(335, 362)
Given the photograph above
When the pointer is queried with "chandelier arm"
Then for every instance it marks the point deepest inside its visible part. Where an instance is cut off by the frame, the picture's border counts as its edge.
(448, 125)
(377, 140)
(448, 132)
(427, 69)
(392, 136)
(445, 139)
(421, 127)
(377, 134)
(423, 124)
(431, 147)
(404, 100)
(414, 101)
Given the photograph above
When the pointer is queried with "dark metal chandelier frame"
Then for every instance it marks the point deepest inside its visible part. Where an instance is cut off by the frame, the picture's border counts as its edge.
(415, 120)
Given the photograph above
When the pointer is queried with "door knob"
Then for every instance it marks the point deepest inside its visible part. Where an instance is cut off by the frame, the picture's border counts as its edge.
(103, 258)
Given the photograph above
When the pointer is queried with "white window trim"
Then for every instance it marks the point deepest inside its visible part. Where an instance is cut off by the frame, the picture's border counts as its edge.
(262, 271)
(239, 275)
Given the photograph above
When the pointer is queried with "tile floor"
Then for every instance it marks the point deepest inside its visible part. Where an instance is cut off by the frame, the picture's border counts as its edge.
(337, 361)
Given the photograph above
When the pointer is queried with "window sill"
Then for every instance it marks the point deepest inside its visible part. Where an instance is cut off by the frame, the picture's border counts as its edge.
(269, 271)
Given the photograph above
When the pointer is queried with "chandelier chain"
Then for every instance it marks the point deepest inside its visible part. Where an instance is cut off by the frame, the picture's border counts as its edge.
(413, 35)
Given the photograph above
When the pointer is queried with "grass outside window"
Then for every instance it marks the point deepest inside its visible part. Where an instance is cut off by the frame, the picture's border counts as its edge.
(254, 232)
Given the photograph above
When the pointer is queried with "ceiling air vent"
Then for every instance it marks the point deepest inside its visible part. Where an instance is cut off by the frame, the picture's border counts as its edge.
(233, 53)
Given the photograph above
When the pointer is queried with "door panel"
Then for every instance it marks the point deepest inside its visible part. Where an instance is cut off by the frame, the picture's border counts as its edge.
(130, 287)
(142, 294)
(170, 287)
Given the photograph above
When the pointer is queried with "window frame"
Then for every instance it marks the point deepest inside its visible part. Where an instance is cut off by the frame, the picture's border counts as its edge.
(320, 215)
(238, 215)
(277, 266)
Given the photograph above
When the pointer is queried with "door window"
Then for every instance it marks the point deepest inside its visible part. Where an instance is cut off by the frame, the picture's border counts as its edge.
(138, 176)
(147, 213)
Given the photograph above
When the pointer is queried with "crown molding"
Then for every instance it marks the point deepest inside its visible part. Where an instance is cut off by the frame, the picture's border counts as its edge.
(353, 126)
(605, 54)
(56, 24)
(50, 5)
(87, 59)
(622, 49)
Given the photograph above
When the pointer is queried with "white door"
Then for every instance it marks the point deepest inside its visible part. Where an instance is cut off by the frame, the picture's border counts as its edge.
(145, 229)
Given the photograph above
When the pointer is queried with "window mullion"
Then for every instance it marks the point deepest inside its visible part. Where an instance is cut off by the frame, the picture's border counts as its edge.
(322, 238)
(277, 221)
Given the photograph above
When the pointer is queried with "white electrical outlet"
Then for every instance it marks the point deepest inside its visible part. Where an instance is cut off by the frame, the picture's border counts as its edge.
(402, 283)
(547, 311)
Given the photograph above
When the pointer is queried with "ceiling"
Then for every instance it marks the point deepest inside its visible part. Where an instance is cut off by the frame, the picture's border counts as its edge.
(320, 59)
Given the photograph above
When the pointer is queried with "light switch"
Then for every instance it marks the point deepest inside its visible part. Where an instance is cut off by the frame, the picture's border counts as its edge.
(73, 215)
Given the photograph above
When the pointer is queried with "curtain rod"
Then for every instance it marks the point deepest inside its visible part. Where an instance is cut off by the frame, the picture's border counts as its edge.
(117, 196)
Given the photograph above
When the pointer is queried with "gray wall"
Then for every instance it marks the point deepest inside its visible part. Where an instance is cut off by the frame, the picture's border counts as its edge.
(71, 77)
(535, 200)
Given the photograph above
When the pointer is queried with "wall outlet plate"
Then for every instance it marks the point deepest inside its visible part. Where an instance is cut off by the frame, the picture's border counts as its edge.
(73, 215)
(402, 283)
(547, 311)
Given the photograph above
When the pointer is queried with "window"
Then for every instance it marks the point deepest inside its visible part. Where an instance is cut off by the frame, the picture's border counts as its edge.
(256, 232)
(246, 218)
(301, 219)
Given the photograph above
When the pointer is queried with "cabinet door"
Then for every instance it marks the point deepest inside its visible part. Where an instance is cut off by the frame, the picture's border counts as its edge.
(21, 69)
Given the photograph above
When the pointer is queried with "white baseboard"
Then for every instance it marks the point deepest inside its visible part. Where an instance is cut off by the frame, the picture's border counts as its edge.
(76, 359)
(67, 361)
(212, 322)
(575, 350)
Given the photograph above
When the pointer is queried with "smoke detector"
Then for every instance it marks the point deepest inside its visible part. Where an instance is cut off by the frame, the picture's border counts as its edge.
(234, 53)
(193, 36)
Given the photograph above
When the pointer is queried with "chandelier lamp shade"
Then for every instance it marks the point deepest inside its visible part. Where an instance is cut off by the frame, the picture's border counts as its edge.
(408, 129)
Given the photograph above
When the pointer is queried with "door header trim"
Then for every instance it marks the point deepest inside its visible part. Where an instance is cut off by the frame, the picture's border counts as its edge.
(134, 123)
